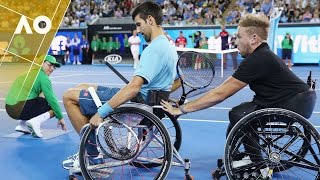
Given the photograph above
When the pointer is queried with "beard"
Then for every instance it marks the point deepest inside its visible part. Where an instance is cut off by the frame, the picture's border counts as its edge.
(146, 37)
(245, 51)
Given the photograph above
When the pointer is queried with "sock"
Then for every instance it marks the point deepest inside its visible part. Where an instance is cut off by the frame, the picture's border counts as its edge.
(41, 118)
(22, 123)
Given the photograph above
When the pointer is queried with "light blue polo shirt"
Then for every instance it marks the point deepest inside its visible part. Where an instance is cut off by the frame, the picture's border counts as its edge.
(157, 66)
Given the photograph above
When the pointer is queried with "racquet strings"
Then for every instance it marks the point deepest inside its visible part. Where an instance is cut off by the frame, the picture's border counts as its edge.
(195, 70)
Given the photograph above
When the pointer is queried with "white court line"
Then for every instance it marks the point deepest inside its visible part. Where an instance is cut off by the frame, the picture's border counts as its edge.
(217, 108)
(182, 119)
(52, 77)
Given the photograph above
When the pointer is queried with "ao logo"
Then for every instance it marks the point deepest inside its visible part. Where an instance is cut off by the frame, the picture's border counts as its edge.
(23, 23)
(58, 44)
(113, 58)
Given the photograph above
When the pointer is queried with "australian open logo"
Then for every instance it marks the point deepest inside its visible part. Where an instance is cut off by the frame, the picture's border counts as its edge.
(113, 58)
(41, 24)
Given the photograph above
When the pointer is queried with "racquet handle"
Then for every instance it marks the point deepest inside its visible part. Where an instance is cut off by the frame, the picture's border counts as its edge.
(181, 100)
(95, 97)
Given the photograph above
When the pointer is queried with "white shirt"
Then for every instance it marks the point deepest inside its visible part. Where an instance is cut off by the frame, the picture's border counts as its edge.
(133, 40)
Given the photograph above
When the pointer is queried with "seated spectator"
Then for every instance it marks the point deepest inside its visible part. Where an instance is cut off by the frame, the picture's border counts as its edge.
(315, 18)
(307, 16)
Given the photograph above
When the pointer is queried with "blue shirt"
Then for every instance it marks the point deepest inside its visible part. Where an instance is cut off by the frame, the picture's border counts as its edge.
(84, 44)
(157, 66)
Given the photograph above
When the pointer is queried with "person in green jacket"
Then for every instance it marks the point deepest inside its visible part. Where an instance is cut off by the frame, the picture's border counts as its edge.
(25, 103)
(126, 44)
(116, 46)
(110, 45)
(94, 46)
(287, 46)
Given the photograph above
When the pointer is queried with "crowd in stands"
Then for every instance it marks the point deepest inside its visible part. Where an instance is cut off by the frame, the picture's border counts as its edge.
(80, 13)
(193, 12)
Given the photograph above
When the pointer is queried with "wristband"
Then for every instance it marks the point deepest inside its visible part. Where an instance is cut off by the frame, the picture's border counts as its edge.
(182, 110)
(104, 110)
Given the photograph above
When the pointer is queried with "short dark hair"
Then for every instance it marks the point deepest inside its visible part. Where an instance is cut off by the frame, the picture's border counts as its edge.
(149, 8)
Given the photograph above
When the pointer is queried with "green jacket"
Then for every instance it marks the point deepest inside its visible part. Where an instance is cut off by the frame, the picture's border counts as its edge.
(285, 44)
(29, 86)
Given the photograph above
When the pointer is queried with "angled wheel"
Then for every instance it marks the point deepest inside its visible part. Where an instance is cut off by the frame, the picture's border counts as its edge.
(273, 143)
(127, 139)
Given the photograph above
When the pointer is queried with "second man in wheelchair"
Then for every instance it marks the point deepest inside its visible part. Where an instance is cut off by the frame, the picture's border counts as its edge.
(274, 84)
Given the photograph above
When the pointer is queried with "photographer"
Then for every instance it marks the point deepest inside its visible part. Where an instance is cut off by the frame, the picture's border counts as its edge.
(196, 37)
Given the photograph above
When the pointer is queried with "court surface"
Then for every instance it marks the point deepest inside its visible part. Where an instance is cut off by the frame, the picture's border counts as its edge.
(203, 131)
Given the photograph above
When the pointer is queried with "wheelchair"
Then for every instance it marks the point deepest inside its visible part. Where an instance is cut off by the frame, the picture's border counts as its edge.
(137, 141)
(272, 143)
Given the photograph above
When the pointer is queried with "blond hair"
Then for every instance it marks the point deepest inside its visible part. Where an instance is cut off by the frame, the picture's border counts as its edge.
(256, 24)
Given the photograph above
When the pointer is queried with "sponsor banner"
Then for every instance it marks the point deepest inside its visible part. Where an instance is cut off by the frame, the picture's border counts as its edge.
(113, 58)
(306, 40)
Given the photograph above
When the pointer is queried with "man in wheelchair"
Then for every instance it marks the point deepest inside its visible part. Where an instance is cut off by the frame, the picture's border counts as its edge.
(274, 84)
(154, 76)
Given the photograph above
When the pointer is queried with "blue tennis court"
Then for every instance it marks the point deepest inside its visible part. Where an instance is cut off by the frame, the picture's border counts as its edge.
(204, 132)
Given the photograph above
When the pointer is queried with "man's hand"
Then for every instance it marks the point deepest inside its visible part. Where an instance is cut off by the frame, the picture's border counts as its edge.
(62, 124)
(96, 120)
(168, 107)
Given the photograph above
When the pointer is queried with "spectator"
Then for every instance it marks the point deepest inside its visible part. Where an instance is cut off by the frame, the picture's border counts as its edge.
(94, 47)
(67, 51)
(224, 35)
(116, 46)
(266, 7)
(134, 42)
(315, 18)
(234, 55)
(76, 49)
(85, 49)
(287, 46)
(126, 44)
(181, 41)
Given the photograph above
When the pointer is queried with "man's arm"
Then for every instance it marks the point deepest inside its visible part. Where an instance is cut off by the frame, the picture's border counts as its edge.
(124, 95)
(176, 84)
(213, 97)
(127, 93)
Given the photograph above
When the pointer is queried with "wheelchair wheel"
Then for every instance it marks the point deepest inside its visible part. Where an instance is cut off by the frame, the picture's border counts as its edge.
(273, 143)
(128, 137)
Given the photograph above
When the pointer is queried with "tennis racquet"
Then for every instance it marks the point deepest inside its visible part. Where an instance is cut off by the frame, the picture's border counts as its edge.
(195, 71)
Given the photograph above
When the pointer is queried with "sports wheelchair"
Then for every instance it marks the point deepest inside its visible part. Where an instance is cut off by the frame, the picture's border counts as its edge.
(134, 143)
(273, 143)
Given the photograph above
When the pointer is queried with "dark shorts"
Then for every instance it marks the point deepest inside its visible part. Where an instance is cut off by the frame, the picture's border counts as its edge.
(224, 47)
(76, 51)
(86, 103)
(302, 103)
(25, 110)
(286, 53)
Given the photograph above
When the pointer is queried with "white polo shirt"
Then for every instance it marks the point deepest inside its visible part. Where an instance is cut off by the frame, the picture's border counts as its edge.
(132, 39)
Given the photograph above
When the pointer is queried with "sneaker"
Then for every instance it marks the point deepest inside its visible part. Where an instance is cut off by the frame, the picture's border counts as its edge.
(244, 161)
(35, 129)
(96, 160)
(22, 127)
(79, 63)
(73, 161)
(70, 161)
